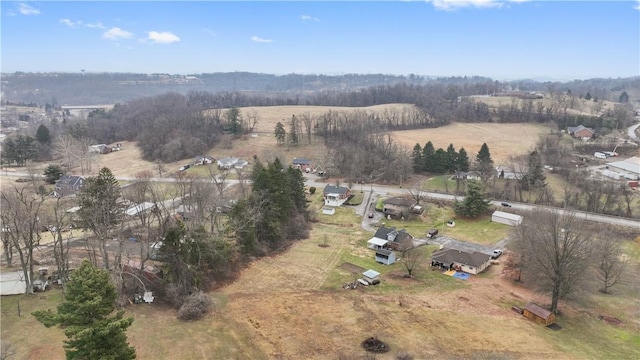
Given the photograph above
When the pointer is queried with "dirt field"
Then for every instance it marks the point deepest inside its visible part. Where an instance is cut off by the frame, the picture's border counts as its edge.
(504, 140)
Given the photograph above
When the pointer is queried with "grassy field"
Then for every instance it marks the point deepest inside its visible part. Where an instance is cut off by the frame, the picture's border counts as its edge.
(293, 306)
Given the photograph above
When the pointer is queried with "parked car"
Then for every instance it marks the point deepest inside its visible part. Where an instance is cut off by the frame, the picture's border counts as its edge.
(506, 204)
(496, 254)
(370, 215)
(184, 167)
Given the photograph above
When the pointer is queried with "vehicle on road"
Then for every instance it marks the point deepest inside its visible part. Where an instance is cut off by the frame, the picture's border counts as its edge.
(496, 254)
(370, 215)
(506, 204)
(184, 167)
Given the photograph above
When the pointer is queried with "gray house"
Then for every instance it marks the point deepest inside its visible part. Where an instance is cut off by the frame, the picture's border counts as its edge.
(68, 185)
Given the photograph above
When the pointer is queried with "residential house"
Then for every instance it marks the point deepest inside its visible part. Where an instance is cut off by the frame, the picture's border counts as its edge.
(581, 132)
(397, 206)
(302, 164)
(388, 238)
(203, 160)
(99, 149)
(628, 168)
(240, 164)
(336, 195)
(68, 185)
(515, 172)
(227, 163)
(466, 175)
(139, 208)
(459, 260)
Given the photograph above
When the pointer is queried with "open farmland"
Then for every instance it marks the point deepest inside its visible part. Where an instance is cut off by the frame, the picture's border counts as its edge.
(504, 140)
(580, 106)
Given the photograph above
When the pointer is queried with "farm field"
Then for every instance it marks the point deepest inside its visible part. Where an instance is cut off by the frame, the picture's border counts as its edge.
(581, 106)
(504, 140)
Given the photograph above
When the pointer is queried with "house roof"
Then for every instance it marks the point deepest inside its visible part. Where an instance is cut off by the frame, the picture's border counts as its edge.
(537, 310)
(449, 256)
(575, 129)
(228, 161)
(631, 164)
(333, 189)
(138, 208)
(371, 273)
(377, 241)
(399, 201)
(301, 161)
(383, 232)
(507, 215)
(69, 180)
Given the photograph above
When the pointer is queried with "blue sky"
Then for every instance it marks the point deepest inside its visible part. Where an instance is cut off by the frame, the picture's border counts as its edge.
(562, 40)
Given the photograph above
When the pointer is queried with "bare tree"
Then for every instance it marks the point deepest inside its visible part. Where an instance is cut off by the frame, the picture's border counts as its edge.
(20, 215)
(412, 257)
(555, 250)
(417, 191)
(308, 121)
(610, 261)
(61, 226)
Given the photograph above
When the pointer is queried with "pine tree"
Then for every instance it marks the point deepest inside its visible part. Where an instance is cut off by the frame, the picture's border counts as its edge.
(624, 97)
(484, 163)
(462, 162)
(428, 151)
(86, 315)
(280, 133)
(42, 134)
(293, 131)
(474, 203)
(234, 121)
(100, 209)
(416, 158)
(452, 158)
(440, 161)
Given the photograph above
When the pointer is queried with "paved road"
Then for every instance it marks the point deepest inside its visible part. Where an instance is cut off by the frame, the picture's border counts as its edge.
(631, 131)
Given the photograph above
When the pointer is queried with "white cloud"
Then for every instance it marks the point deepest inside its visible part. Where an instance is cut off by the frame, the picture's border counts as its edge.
(309, 18)
(455, 4)
(116, 33)
(164, 37)
(637, 7)
(70, 23)
(97, 25)
(260, 40)
(25, 9)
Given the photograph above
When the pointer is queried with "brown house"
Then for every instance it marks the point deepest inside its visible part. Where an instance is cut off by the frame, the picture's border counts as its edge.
(580, 132)
(397, 206)
(539, 314)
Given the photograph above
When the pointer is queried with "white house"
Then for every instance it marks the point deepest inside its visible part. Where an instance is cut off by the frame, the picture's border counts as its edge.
(506, 218)
(469, 262)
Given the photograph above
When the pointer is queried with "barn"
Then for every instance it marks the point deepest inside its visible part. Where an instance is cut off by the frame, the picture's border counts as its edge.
(386, 257)
(506, 218)
(539, 314)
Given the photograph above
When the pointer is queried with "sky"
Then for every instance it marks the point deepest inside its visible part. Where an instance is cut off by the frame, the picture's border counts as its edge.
(504, 40)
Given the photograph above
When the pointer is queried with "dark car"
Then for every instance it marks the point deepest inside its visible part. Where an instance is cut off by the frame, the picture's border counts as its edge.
(506, 204)
(184, 167)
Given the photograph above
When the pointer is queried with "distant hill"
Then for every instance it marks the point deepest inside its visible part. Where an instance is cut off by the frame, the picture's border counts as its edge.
(111, 88)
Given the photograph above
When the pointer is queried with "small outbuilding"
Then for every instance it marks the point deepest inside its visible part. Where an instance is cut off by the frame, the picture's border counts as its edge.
(506, 218)
(386, 257)
(371, 275)
(539, 314)
(328, 210)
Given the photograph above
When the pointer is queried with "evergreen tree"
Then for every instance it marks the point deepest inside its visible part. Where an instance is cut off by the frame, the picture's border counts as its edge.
(52, 173)
(280, 133)
(234, 121)
(100, 209)
(18, 148)
(588, 96)
(86, 315)
(462, 162)
(42, 134)
(624, 97)
(416, 158)
(474, 203)
(293, 131)
(428, 151)
(440, 161)
(535, 174)
(484, 163)
(452, 158)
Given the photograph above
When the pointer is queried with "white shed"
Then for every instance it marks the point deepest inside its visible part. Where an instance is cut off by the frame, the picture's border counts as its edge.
(506, 218)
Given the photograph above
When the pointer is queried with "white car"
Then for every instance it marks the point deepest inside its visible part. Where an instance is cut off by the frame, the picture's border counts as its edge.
(496, 254)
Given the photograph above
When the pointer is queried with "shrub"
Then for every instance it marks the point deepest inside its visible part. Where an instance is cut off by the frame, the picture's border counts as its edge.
(195, 306)
(312, 190)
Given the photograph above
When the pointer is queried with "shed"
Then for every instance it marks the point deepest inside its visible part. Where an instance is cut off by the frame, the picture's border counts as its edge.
(371, 275)
(327, 210)
(386, 257)
(12, 283)
(506, 218)
(539, 314)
